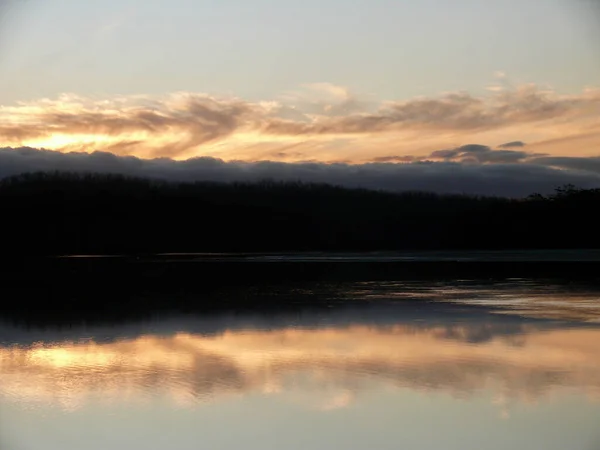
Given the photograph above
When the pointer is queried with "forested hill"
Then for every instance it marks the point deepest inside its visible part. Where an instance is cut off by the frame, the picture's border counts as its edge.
(64, 213)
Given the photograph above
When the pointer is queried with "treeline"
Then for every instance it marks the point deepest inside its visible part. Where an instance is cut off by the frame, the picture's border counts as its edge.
(67, 213)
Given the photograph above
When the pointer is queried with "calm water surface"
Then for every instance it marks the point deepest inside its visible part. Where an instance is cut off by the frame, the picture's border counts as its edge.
(442, 366)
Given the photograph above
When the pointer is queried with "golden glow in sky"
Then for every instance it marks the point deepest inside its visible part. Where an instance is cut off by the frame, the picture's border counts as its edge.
(384, 82)
(322, 122)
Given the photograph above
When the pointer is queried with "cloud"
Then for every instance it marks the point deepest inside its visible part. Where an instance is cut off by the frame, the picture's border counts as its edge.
(183, 125)
(462, 111)
(591, 164)
(324, 99)
(483, 154)
(194, 119)
(513, 180)
(513, 144)
(445, 154)
(394, 158)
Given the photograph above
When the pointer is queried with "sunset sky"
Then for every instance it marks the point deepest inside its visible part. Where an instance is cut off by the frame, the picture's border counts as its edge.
(465, 82)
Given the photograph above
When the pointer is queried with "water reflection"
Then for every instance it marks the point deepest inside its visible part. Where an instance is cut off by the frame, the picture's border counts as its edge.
(524, 365)
(382, 375)
(524, 297)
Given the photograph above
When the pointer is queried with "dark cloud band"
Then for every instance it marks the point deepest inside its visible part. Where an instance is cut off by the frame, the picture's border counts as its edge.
(514, 180)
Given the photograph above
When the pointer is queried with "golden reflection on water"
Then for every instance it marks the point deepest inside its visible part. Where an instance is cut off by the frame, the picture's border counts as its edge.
(188, 368)
(519, 297)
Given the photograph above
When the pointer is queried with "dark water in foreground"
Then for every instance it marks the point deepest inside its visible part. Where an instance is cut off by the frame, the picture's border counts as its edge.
(416, 365)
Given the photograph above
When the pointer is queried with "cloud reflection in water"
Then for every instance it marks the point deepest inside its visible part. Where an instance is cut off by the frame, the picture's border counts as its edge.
(335, 365)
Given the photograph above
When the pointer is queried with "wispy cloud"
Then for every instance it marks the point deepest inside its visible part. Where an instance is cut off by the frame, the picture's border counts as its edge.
(513, 144)
(314, 120)
(482, 154)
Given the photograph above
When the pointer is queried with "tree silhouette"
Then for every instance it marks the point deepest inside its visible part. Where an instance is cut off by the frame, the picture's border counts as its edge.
(66, 213)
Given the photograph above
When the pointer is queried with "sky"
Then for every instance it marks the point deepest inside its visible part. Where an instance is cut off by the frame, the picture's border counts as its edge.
(324, 82)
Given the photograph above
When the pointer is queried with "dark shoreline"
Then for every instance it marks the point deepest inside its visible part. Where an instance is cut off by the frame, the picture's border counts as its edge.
(50, 214)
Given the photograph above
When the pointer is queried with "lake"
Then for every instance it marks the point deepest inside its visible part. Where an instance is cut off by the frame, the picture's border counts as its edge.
(380, 364)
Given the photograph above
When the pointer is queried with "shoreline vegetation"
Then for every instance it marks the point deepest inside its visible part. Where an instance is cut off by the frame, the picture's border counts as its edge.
(51, 214)
(206, 246)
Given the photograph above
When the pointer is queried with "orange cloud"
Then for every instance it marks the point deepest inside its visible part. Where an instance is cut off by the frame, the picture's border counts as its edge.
(326, 124)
